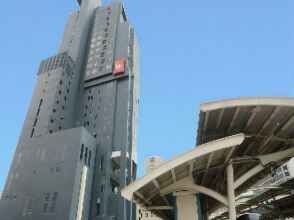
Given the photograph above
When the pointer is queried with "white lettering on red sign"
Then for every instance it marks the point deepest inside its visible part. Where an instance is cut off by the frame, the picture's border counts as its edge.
(119, 67)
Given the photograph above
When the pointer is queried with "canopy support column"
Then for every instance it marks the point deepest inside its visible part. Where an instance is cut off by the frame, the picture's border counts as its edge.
(186, 207)
(231, 192)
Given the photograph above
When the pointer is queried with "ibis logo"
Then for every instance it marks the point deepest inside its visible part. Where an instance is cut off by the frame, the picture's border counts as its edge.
(119, 67)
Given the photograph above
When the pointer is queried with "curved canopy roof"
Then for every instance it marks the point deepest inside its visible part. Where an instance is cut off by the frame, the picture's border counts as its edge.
(242, 129)
(148, 188)
(267, 122)
(249, 115)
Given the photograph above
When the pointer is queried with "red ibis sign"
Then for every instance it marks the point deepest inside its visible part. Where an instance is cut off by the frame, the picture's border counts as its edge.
(119, 67)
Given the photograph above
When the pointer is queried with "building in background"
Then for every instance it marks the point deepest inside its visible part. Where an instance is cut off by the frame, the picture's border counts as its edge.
(77, 148)
(150, 164)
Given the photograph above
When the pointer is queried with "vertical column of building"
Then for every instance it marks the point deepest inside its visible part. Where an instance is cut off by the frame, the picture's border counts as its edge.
(98, 100)
(106, 109)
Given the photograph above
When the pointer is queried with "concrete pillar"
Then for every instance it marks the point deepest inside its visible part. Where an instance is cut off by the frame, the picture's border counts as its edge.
(186, 207)
(231, 192)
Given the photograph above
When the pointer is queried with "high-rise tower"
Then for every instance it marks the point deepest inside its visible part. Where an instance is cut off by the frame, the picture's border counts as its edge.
(152, 163)
(77, 148)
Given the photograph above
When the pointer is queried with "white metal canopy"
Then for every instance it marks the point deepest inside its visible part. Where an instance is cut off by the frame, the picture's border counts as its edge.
(153, 185)
(268, 124)
(253, 132)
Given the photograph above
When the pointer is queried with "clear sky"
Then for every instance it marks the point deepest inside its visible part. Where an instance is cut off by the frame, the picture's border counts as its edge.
(192, 51)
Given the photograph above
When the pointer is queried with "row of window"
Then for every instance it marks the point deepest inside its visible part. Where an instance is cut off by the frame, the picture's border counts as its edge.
(36, 118)
(89, 114)
(53, 63)
(49, 204)
(63, 61)
(28, 206)
(63, 91)
(99, 54)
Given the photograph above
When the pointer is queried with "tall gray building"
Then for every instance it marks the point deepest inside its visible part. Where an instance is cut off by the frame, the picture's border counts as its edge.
(77, 148)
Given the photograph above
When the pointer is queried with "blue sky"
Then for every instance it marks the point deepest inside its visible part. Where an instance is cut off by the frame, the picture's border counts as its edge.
(192, 52)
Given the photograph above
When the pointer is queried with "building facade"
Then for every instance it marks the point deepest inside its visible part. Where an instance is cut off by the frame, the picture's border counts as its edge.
(77, 148)
(150, 164)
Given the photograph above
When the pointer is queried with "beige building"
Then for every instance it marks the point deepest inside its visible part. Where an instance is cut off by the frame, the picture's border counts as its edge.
(150, 164)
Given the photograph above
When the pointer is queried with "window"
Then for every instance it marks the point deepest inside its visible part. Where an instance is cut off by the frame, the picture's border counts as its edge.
(53, 202)
(86, 156)
(82, 153)
(35, 122)
(46, 202)
(98, 207)
(101, 162)
(285, 168)
(38, 112)
(40, 103)
(89, 158)
(32, 133)
(50, 200)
